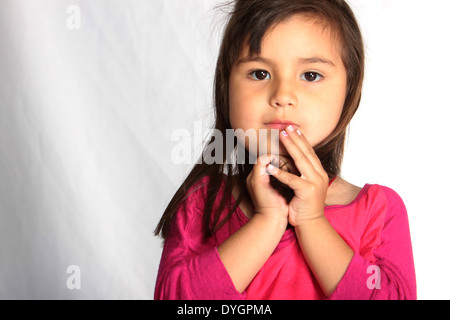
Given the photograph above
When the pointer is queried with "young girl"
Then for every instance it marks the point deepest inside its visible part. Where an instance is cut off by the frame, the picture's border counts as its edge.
(288, 226)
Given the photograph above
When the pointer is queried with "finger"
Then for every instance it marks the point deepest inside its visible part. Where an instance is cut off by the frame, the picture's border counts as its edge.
(300, 140)
(291, 180)
(259, 177)
(291, 142)
(262, 162)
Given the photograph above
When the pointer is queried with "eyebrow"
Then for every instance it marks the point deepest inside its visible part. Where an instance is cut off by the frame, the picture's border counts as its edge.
(310, 60)
(316, 60)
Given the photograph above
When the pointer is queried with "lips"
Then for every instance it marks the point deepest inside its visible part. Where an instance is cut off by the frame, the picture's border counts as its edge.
(281, 124)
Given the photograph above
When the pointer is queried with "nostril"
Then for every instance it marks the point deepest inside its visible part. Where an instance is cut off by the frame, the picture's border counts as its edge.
(282, 103)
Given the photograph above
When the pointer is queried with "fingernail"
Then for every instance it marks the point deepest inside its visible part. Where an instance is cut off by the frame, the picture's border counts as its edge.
(284, 133)
(291, 128)
(275, 162)
(299, 133)
(272, 169)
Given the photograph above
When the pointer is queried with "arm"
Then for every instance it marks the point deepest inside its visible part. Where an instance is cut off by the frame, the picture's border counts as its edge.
(327, 254)
(341, 273)
(190, 266)
(246, 251)
(383, 269)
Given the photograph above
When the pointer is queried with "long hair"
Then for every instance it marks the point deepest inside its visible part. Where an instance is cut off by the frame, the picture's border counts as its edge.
(248, 22)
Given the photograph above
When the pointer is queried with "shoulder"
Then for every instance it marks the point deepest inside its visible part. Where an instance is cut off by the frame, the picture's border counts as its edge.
(382, 205)
(385, 196)
(188, 214)
(199, 187)
(196, 195)
(392, 197)
(204, 191)
(391, 201)
(381, 214)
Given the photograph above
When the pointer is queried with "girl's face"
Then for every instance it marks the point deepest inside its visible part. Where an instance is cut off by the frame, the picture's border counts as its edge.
(298, 77)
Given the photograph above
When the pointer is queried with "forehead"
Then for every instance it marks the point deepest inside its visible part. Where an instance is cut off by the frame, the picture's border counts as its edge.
(301, 34)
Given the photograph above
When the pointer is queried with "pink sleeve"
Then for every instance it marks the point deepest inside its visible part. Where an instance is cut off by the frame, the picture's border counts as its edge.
(190, 267)
(383, 269)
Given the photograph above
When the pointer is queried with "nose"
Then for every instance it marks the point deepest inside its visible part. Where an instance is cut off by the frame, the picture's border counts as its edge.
(283, 95)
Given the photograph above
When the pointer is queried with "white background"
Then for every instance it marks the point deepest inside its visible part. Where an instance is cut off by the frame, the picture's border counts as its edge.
(86, 117)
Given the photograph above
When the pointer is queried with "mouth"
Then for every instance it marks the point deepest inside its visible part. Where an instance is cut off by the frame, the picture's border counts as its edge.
(281, 124)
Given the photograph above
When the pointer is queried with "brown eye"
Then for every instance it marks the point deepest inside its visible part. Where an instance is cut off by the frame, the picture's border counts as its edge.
(311, 76)
(260, 75)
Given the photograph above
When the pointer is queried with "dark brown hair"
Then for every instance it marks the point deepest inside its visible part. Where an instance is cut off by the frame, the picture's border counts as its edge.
(248, 22)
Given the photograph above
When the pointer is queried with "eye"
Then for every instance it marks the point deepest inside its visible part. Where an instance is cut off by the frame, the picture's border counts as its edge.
(260, 75)
(311, 76)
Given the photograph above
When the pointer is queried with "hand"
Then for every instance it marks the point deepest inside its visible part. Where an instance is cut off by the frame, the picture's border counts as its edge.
(266, 200)
(311, 187)
(287, 164)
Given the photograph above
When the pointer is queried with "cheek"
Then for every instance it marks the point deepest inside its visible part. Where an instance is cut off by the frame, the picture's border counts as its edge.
(234, 98)
(242, 109)
(235, 111)
(335, 100)
(324, 118)
(332, 115)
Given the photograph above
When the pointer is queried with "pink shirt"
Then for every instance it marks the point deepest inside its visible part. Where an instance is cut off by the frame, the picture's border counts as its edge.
(374, 225)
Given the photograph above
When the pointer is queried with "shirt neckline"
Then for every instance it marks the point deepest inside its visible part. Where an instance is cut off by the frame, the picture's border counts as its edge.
(361, 193)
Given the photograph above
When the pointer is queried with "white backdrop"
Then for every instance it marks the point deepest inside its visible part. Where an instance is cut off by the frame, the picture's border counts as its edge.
(91, 91)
